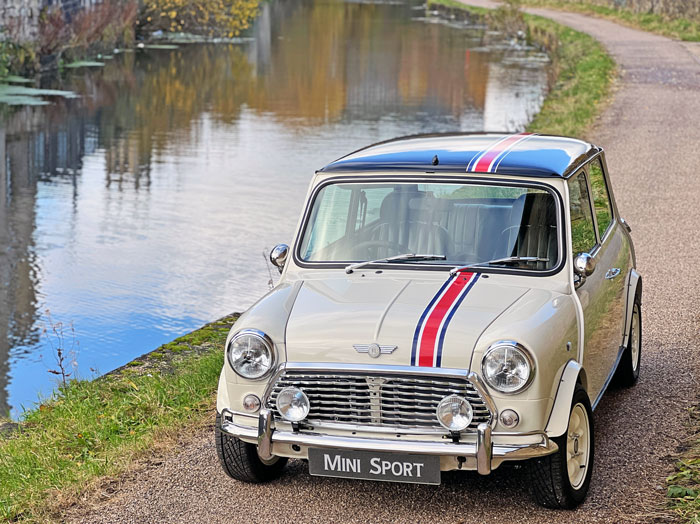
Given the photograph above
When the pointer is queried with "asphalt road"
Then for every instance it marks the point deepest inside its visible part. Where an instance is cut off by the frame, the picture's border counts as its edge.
(651, 133)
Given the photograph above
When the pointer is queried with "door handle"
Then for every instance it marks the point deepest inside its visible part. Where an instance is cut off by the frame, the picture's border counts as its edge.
(612, 273)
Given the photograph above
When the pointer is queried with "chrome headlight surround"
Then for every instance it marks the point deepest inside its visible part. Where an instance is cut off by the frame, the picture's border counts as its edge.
(265, 349)
(517, 352)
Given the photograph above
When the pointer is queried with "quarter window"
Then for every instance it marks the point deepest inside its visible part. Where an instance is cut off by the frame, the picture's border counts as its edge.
(333, 214)
(601, 198)
(582, 231)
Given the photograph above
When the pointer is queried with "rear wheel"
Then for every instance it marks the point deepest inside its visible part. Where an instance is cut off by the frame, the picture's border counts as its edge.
(628, 370)
(561, 480)
(240, 460)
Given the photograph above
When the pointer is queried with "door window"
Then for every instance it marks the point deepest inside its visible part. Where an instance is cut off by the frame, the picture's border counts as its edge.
(601, 197)
(583, 238)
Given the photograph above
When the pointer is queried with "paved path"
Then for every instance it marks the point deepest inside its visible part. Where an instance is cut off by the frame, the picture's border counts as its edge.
(651, 132)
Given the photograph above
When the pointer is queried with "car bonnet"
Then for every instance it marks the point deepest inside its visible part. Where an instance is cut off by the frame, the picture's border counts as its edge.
(380, 320)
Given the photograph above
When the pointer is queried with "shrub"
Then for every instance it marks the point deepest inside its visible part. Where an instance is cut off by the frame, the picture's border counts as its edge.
(14, 57)
(214, 18)
(98, 28)
(104, 25)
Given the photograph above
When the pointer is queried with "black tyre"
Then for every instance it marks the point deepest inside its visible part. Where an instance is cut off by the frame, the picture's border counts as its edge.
(240, 460)
(561, 480)
(628, 369)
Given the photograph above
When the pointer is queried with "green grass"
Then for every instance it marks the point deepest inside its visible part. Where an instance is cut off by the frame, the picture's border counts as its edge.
(681, 28)
(582, 78)
(683, 486)
(90, 429)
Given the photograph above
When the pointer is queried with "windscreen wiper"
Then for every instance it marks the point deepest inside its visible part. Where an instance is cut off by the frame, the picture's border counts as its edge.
(398, 258)
(506, 260)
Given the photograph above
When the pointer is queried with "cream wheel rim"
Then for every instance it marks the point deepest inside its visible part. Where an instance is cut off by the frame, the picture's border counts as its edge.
(578, 446)
(636, 340)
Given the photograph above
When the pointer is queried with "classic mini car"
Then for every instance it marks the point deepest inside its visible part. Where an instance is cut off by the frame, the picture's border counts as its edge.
(448, 302)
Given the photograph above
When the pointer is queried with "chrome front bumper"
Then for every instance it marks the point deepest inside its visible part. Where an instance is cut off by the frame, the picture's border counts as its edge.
(482, 455)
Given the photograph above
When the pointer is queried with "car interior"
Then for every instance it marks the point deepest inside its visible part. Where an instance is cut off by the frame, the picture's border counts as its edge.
(465, 230)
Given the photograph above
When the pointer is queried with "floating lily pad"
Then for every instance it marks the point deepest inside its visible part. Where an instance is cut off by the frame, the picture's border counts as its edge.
(15, 95)
(13, 79)
(84, 63)
(12, 100)
(161, 46)
(189, 38)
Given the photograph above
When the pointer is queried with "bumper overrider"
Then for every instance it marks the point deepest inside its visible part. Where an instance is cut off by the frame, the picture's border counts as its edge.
(483, 450)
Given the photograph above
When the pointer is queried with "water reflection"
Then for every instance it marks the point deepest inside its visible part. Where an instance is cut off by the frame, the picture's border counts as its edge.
(141, 209)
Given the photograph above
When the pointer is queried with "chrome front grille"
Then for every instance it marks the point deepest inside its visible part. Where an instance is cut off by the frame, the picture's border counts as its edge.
(379, 400)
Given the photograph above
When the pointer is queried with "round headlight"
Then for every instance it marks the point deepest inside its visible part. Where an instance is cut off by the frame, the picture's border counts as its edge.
(293, 404)
(250, 353)
(454, 413)
(507, 367)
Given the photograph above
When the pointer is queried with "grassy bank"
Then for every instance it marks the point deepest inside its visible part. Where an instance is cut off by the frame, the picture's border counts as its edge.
(684, 484)
(582, 72)
(680, 28)
(583, 75)
(95, 428)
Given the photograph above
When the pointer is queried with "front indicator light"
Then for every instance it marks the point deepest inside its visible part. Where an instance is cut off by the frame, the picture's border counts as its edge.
(293, 404)
(454, 413)
(251, 402)
(509, 418)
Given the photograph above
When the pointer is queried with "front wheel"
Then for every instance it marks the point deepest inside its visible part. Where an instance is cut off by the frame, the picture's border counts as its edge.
(240, 460)
(561, 480)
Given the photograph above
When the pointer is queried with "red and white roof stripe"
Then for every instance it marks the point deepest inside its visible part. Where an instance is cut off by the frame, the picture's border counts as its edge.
(487, 160)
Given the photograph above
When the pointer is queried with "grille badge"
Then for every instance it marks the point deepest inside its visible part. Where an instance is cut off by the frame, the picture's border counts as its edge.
(374, 350)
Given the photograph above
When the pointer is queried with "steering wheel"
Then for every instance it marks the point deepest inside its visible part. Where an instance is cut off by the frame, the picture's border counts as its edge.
(366, 245)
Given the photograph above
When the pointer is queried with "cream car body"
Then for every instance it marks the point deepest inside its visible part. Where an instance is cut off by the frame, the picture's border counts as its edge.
(574, 327)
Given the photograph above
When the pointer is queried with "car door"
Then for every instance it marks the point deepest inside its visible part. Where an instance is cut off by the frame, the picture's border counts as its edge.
(613, 260)
(594, 231)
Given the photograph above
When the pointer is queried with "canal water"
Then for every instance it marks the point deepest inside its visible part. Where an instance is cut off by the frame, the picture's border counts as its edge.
(142, 209)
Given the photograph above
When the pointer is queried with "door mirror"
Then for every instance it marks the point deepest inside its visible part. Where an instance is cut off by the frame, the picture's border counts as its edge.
(584, 265)
(278, 255)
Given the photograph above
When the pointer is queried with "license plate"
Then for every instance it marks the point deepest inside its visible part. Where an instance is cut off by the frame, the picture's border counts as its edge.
(368, 465)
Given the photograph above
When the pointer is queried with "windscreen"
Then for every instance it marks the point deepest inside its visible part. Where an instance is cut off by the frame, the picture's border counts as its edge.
(464, 223)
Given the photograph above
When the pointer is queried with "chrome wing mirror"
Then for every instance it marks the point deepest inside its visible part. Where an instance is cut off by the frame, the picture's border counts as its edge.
(584, 266)
(278, 256)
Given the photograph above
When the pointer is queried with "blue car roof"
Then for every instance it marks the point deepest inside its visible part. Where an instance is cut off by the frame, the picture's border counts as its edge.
(521, 154)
